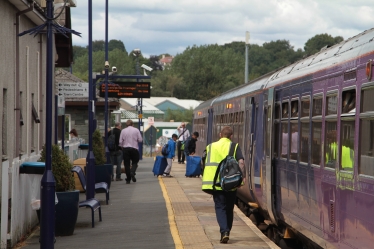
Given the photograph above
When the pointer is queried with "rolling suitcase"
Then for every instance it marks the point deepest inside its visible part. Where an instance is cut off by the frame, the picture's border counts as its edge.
(159, 166)
(193, 167)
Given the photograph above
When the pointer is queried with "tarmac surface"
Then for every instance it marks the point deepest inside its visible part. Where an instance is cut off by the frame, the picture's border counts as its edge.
(156, 212)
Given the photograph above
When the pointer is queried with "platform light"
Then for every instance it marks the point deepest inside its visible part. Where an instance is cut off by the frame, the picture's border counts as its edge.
(368, 69)
(199, 113)
(229, 105)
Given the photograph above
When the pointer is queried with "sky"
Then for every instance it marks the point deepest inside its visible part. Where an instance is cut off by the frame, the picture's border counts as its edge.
(169, 26)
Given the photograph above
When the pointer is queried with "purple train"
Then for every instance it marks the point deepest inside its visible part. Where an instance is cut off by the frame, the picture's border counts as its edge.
(307, 133)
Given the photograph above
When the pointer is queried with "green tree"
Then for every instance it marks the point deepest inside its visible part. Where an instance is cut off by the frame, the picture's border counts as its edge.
(98, 45)
(314, 44)
(116, 44)
(179, 115)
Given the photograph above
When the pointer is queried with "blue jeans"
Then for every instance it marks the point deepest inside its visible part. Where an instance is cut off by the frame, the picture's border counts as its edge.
(116, 159)
(224, 205)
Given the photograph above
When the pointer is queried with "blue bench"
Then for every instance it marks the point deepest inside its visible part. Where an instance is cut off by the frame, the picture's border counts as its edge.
(100, 187)
(94, 204)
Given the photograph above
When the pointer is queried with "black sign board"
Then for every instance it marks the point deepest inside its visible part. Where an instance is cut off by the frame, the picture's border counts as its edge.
(127, 90)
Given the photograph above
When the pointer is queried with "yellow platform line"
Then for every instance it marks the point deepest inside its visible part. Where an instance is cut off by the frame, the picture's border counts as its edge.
(171, 217)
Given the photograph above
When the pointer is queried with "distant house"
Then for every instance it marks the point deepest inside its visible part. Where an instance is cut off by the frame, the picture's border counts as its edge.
(166, 60)
(165, 103)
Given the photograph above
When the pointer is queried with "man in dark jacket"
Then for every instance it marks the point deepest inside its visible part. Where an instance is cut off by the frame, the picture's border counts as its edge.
(116, 155)
(190, 144)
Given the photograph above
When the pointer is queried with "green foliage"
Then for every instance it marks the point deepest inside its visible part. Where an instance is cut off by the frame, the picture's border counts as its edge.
(179, 115)
(314, 44)
(98, 148)
(61, 169)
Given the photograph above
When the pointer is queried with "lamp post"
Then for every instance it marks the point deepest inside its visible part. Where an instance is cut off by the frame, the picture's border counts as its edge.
(246, 57)
(106, 84)
(137, 53)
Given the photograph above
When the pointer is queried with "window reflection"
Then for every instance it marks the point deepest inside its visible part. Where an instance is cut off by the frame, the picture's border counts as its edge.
(316, 142)
(367, 147)
(285, 110)
(305, 106)
(276, 139)
(347, 148)
(294, 138)
(330, 145)
(294, 109)
(331, 105)
(349, 101)
(304, 142)
(284, 140)
(367, 97)
(317, 107)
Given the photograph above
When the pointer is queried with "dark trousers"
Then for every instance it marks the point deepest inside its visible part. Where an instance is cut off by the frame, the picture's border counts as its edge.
(224, 205)
(130, 154)
(180, 152)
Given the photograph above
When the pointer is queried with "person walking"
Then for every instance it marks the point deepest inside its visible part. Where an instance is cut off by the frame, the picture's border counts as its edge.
(171, 155)
(183, 134)
(224, 201)
(116, 155)
(128, 140)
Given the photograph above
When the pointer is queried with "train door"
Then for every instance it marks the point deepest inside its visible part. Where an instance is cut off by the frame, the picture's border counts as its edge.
(268, 152)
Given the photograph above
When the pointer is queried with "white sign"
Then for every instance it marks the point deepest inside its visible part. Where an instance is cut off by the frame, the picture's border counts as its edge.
(168, 132)
(73, 90)
(151, 120)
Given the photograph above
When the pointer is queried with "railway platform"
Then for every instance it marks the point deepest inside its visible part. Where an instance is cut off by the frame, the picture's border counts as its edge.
(156, 212)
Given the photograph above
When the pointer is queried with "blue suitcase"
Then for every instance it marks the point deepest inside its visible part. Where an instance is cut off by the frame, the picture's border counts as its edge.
(193, 167)
(159, 166)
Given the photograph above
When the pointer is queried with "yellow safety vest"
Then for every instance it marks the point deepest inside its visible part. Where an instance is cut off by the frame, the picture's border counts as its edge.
(216, 152)
(347, 158)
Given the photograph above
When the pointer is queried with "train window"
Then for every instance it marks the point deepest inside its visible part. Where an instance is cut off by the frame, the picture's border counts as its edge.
(304, 142)
(305, 107)
(367, 147)
(285, 110)
(331, 104)
(349, 101)
(367, 96)
(317, 106)
(276, 140)
(316, 143)
(277, 111)
(284, 140)
(295, 109)
(331, 147)
(347, 146)
(294, 141)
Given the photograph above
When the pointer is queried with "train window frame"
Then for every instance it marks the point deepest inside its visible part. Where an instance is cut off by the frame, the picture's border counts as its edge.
(286, 104)
(293, 122)
(365, 116)
(302, 100)
(329, 95)
(351, 112)
(277, 111)
(317, 97)
(342, 130)
(305, 121)
(285, 122)
(293, 101)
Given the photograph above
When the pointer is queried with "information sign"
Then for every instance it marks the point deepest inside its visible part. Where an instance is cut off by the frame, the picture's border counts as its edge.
(127, 90)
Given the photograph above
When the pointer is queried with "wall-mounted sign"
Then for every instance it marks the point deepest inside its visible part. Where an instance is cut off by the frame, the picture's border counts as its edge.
(127, 90)
(73, 90)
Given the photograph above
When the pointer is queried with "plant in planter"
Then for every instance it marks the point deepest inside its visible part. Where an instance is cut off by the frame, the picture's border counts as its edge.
(66, 211)
(103, 171)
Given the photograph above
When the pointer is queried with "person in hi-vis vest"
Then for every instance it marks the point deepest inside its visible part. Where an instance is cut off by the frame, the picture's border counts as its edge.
(224, 201)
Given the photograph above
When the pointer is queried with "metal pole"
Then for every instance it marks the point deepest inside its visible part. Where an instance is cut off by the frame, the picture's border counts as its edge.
(90, 162)
(246, 57)
(56, 119)
(106, 85)
(63, 132)
(140, 112)
(48, 183)
(151, 140)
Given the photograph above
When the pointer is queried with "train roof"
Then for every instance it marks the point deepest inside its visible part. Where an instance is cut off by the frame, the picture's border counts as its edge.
(327, 58)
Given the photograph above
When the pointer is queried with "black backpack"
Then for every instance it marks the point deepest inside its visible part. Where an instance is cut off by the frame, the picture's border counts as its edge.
(112, 141)
(164, 150)
(229, 172)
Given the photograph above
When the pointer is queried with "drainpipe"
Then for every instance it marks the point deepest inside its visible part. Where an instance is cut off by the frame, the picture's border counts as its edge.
(17, 98)
(40, 99)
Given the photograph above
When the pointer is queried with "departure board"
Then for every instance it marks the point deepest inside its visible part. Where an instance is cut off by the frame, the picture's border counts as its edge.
(127, 90)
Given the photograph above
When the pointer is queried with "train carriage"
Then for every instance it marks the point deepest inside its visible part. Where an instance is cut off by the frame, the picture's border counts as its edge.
(306, 131)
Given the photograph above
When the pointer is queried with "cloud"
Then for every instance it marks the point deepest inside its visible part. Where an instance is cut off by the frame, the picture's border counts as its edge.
(169, 26)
